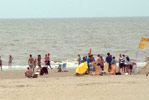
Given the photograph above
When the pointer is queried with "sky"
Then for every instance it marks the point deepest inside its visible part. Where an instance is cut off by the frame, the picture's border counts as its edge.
(73, 8)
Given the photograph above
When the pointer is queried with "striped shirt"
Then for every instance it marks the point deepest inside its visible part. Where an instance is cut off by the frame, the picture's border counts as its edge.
(122, 60)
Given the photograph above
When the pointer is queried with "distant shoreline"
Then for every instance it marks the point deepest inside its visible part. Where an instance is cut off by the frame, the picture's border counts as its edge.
(82, 17)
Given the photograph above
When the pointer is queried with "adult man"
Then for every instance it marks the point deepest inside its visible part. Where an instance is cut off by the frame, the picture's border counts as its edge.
(108, 60)
(31, 62)
(48, 61)
(29, 73)
(121, 62)
(39, 61)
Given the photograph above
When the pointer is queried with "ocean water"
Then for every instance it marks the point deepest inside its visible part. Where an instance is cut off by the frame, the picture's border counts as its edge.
(65, 38)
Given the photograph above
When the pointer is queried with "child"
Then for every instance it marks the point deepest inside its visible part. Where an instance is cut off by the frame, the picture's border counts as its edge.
(91, 69)
(59, 68)
(113, 67)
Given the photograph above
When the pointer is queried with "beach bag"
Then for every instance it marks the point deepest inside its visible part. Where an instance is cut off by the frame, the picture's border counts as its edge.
(36, 75)
(44, 70)
(118, 73)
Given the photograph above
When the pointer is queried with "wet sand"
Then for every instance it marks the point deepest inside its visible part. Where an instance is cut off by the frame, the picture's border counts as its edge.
(67, 86)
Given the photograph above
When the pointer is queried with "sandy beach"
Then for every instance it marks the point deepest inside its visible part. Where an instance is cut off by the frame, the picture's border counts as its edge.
(67, 86)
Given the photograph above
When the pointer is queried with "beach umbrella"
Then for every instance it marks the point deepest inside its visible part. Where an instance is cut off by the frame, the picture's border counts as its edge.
(82, 68)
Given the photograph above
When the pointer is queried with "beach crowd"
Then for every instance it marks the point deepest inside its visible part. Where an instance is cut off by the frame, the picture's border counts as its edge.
(32, 63)
(41, 69)
(98, 66)
(108, 65)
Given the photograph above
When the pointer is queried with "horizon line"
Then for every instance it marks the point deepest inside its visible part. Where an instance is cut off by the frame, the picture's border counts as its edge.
(73, 17)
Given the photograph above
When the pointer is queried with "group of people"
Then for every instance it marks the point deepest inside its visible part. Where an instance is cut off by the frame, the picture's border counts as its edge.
(107, 65)
(9, 62)
(33, 62)
(94, 65)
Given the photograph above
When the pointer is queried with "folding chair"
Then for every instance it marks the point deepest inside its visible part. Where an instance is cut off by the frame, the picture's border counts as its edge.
(64, 67)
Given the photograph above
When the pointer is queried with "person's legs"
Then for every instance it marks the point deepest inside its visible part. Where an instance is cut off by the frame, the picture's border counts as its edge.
(31, 67)
(49, 63)
(123, 69)
(97, 70)
(47, 71)
(147, 71)
(120, 67)
(10, 65)
(39, 65)
(127, 67)
(1, 67)
(113, 69)
(109, 67)
(101, 67)
(88, 68)
(130, 71)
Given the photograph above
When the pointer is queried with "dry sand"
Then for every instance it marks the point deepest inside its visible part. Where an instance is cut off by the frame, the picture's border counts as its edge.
(67, 86)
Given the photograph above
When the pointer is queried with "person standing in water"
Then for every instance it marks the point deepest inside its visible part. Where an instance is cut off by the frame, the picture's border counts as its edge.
(79, 59)
(10, 61)
(1, 63)
(31, 62)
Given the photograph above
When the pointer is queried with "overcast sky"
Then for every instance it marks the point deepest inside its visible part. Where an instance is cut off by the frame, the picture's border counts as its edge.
(72, 8)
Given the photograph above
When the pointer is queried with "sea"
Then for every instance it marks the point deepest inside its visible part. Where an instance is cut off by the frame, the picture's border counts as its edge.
(65, 38)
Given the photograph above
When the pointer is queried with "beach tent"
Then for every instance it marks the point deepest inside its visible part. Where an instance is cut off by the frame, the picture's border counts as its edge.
(82, 68)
